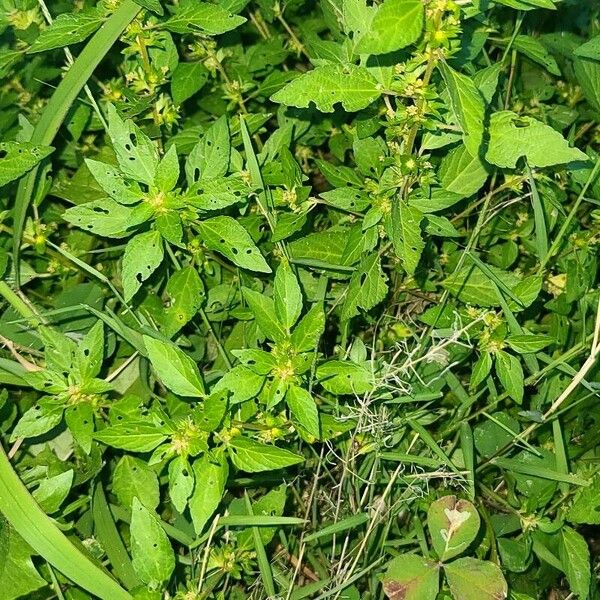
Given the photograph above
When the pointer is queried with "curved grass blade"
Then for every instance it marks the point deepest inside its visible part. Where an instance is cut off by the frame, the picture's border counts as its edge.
(39, 531)
(59, 104)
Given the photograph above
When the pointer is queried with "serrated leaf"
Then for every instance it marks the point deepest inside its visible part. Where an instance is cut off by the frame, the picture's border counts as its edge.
(216, 194)
(151, 553)
(167, 170)
(411, 577)
(181, 482)
(513, 137)
(453, 525)
(526, 343)
(405, 233)
(574, 555)
(211, 475)
(16, 158)
(287, 296)
(461, 173)
(344, 377)
(254, 457)
(263, 309)
(114, 183)
(468, 107)
(185, 291)
(473, 579)
(136, 154)
(192, 16)
(586, 504)
(105, 217)
(153, 5)
(304, 408)
(591, 49)
(187, 79)
(135, 436)
(143, 255)
(534, 49)
(175, 368)
(395, 25)
(226, 236)
(469, 284)
(133, 478)
(306, 334)
(67, 29)
(510, 374)
(352, 86)
(368, 287)
(209, 158)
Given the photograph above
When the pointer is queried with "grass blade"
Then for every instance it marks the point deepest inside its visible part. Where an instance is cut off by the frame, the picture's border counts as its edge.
(40, 532)
(107, 534)
(59, 105)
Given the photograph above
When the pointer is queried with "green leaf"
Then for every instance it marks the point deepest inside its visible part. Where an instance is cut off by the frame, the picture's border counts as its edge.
(368, 287)
(591, 49)
(17, 572)
(211, 475)
(510, 374)
(411, 577)
(469, 284)
(344, 377)
(309, 330)
(481, 369)
(187, 79)
(263, 309)
(575, 557)
(216, 194)
(473, 579)
(406, 235)
(586, 504)
(67, 29)
(209, 159)
(453, 525)
(152, 556)
(136, 153)
(105, 217)
(133, 478)
(167, 171)
(243, 384)
(185, 291)
(153, 5)
(461, 173)
(513, 136)
(395, 25)
(226, 236)
(525, 343)
(39, 419)
(181, 482)
(304, 408)
(114, 183)
(192, 16)
(53, 491)
(253, 457)
(353, 86)
(467, 104)
(534, 50)
(135, 436)
(143, 255)
(177, 371)
(287, 296)
(16, 158)
(90, 352)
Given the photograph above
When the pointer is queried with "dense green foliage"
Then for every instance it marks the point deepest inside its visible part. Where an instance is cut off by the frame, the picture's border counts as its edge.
(299, 300)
